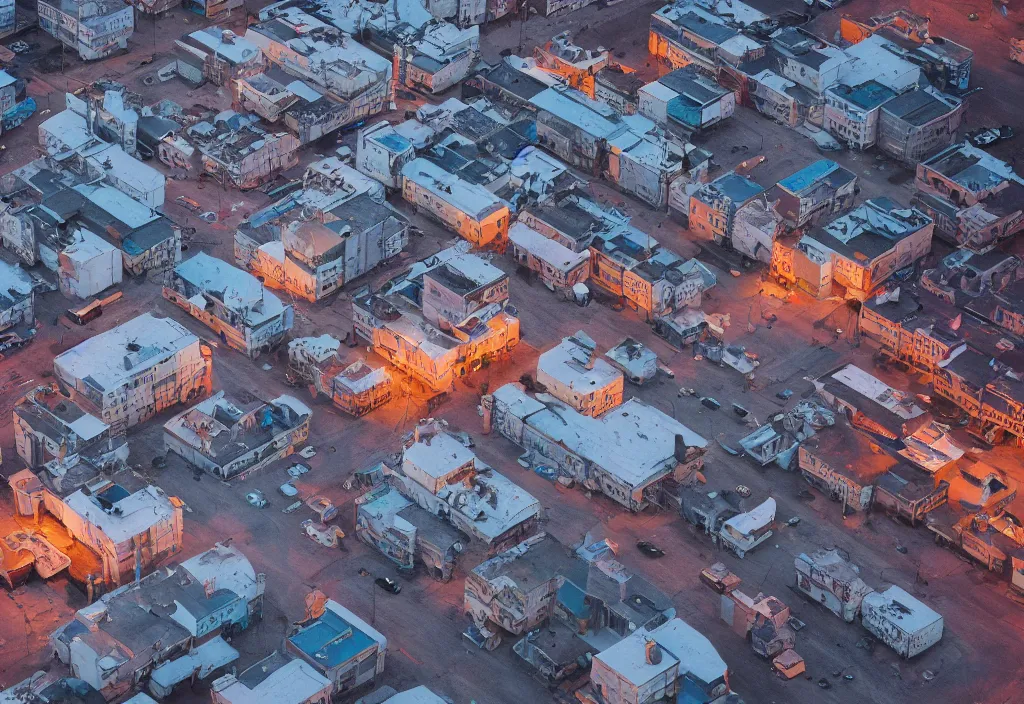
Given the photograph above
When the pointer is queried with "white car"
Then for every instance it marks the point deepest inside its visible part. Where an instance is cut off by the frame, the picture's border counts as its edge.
(256, 498)
(297, 470)
(328, 536)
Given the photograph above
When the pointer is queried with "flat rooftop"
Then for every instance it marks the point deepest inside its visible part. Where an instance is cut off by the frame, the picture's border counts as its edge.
(470, 198)
(528, 564)
(438, 454)
(112, 358)
(239, 291)
(634, 442)
(919, 107)
(567, 363)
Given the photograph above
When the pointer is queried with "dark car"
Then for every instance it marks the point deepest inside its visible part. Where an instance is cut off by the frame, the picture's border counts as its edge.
(650, 549)
(388, 584)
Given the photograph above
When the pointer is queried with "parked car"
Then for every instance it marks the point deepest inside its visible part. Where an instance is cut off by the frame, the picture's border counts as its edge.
(388, 584)
(323, 508)
(989, 135)
(719, 578)
(297, 470)
(650, 549)
(188, 204)
(256, 498)
(328, 536)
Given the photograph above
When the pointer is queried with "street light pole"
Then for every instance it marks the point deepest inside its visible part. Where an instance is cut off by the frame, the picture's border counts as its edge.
(373, 597)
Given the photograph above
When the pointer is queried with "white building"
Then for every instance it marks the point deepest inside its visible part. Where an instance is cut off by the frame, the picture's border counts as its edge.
(447, 479)
(626, 454)
(88, 265)
(381, 152)
(93, 28)
(673, 662)
(429, 53)
(879, 59)
(356, 77)
(639, 364)
(233, 303)
(358, 661)
(223, 55)
(468, 209)
(573, 373)
(875, 406)
(226, 441)
(745, 531)
(685, 101)
(628, 150)
(132, 372)
(49, 426)
(17, 299)
(276, 679)
(115, 528)
(832, 581)
(311, 243)
(67, 132)
(557, 266)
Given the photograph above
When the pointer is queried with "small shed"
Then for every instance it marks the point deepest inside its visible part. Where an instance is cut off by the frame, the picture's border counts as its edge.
(360, 388)
(902, 622)
(743, 532)
(638, 363)
(908, 493)
(831, 580)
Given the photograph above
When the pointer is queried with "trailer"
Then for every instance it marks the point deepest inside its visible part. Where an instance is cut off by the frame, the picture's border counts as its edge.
(17, 115)
(900, 621)
(977, 537)
(832, 581)
(744, 532)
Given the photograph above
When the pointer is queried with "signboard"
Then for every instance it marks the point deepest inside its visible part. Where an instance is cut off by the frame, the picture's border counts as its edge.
(109, 28)
(56, 19)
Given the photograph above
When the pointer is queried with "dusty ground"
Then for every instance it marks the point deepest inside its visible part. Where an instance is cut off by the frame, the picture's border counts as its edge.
(976, 660)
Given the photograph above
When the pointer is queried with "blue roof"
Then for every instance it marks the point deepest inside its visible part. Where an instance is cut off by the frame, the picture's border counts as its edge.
(684, 110)
(867, 95)
(394, 142)
(331, 640)
(808, 176)
(574, 599)
(738, 188)
(712, 31)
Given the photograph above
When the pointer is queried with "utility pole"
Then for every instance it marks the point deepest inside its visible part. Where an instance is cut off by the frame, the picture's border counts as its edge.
(373, 596)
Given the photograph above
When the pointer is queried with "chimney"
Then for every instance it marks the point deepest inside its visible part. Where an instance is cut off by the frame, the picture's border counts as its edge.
(681, 449)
